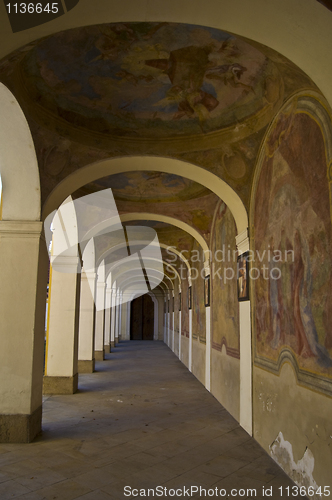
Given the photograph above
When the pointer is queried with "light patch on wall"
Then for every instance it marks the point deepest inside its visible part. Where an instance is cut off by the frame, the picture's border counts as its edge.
(0, 198)
(302, 471)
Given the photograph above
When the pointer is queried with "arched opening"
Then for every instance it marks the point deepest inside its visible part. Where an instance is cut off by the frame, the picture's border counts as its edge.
(142, 318)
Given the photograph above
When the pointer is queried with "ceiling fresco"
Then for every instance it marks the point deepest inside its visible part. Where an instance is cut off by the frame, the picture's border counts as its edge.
(149, 186)
(149, 79)
(188, 92)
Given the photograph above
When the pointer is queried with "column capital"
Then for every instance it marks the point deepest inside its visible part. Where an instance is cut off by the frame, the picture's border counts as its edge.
(88, 275)
(242, 241)
(21, 228)
(65, 263)
(207, 270)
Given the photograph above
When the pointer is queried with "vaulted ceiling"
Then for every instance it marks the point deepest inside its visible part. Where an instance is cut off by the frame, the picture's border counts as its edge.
(183, 91)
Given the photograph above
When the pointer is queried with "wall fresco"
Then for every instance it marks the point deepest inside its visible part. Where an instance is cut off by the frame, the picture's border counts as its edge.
(224, 304)
(197, 275)
(293, 240)
(184, 308)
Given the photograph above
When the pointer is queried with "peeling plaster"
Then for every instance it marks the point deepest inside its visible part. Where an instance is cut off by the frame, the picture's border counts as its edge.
(302, 471)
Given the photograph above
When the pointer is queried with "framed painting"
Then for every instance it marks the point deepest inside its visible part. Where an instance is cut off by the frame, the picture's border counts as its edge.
(243, 277)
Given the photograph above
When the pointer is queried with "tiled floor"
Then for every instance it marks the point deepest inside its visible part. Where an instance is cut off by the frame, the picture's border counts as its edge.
(142, 420)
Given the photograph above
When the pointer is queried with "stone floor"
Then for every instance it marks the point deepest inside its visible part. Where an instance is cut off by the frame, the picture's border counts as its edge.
(142, 421)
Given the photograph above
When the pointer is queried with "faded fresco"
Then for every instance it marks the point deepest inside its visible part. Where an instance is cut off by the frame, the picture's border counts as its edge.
(176, 308)
(197, 277)
(184, 308)
(224, 303)
(166, 78)
(293, 240)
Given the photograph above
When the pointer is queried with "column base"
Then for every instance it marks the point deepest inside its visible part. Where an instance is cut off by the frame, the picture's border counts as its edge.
(107, 348)
(116, 340)
(60, 385)
(112, 344)
(86, 366)
(20, 428)
(100, 355)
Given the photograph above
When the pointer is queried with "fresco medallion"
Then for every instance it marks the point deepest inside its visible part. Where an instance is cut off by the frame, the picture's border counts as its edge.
(149, 79)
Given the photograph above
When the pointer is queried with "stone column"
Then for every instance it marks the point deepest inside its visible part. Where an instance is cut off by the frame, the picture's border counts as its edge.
(242, 243)
(107, 333)
(100, 321)
(120, 316)
(113, 313)
(23, 271)
(86, 352)
(61, 367)
(117, 306)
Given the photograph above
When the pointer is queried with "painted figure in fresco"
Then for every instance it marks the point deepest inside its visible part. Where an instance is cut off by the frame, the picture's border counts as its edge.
(296, 220)
(275, 303)
(186, 68)
(309, 343)
(230, 74)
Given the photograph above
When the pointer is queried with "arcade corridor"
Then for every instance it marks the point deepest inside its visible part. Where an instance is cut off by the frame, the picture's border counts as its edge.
(142, 420)
(180, 152)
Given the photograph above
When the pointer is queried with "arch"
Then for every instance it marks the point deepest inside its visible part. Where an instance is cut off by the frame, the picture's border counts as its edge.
(168, 220)
(18, 163)
(176, 274)
(114, 221)
(162, 245)
(112, 166)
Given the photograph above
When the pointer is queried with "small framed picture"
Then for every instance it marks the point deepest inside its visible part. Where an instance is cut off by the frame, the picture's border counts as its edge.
(189, 298)
(243, 277)
(180, 301)
(207, 291)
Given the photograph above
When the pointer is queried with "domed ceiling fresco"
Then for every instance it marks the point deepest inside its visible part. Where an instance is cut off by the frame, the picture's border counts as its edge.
(150, 187)
(149, 79)
(188, 92)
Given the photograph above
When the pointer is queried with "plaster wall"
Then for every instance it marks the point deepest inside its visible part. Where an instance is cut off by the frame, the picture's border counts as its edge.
(198, 360)
(225, 381)
(303, 416)
(185, 350)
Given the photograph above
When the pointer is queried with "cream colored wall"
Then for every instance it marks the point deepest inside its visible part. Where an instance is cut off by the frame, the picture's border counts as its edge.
(225, 381)
(185, 350)
(18, 163)
(23, 271)
(198, 360)
(304, 419)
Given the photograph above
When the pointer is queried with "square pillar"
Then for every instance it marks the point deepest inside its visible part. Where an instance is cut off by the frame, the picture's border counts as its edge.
(107, 332)
(86, 340)
(23, 271)
(100, 321)
(61, 374)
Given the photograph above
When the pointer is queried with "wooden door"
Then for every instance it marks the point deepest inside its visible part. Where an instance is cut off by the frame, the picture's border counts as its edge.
(142, 318)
